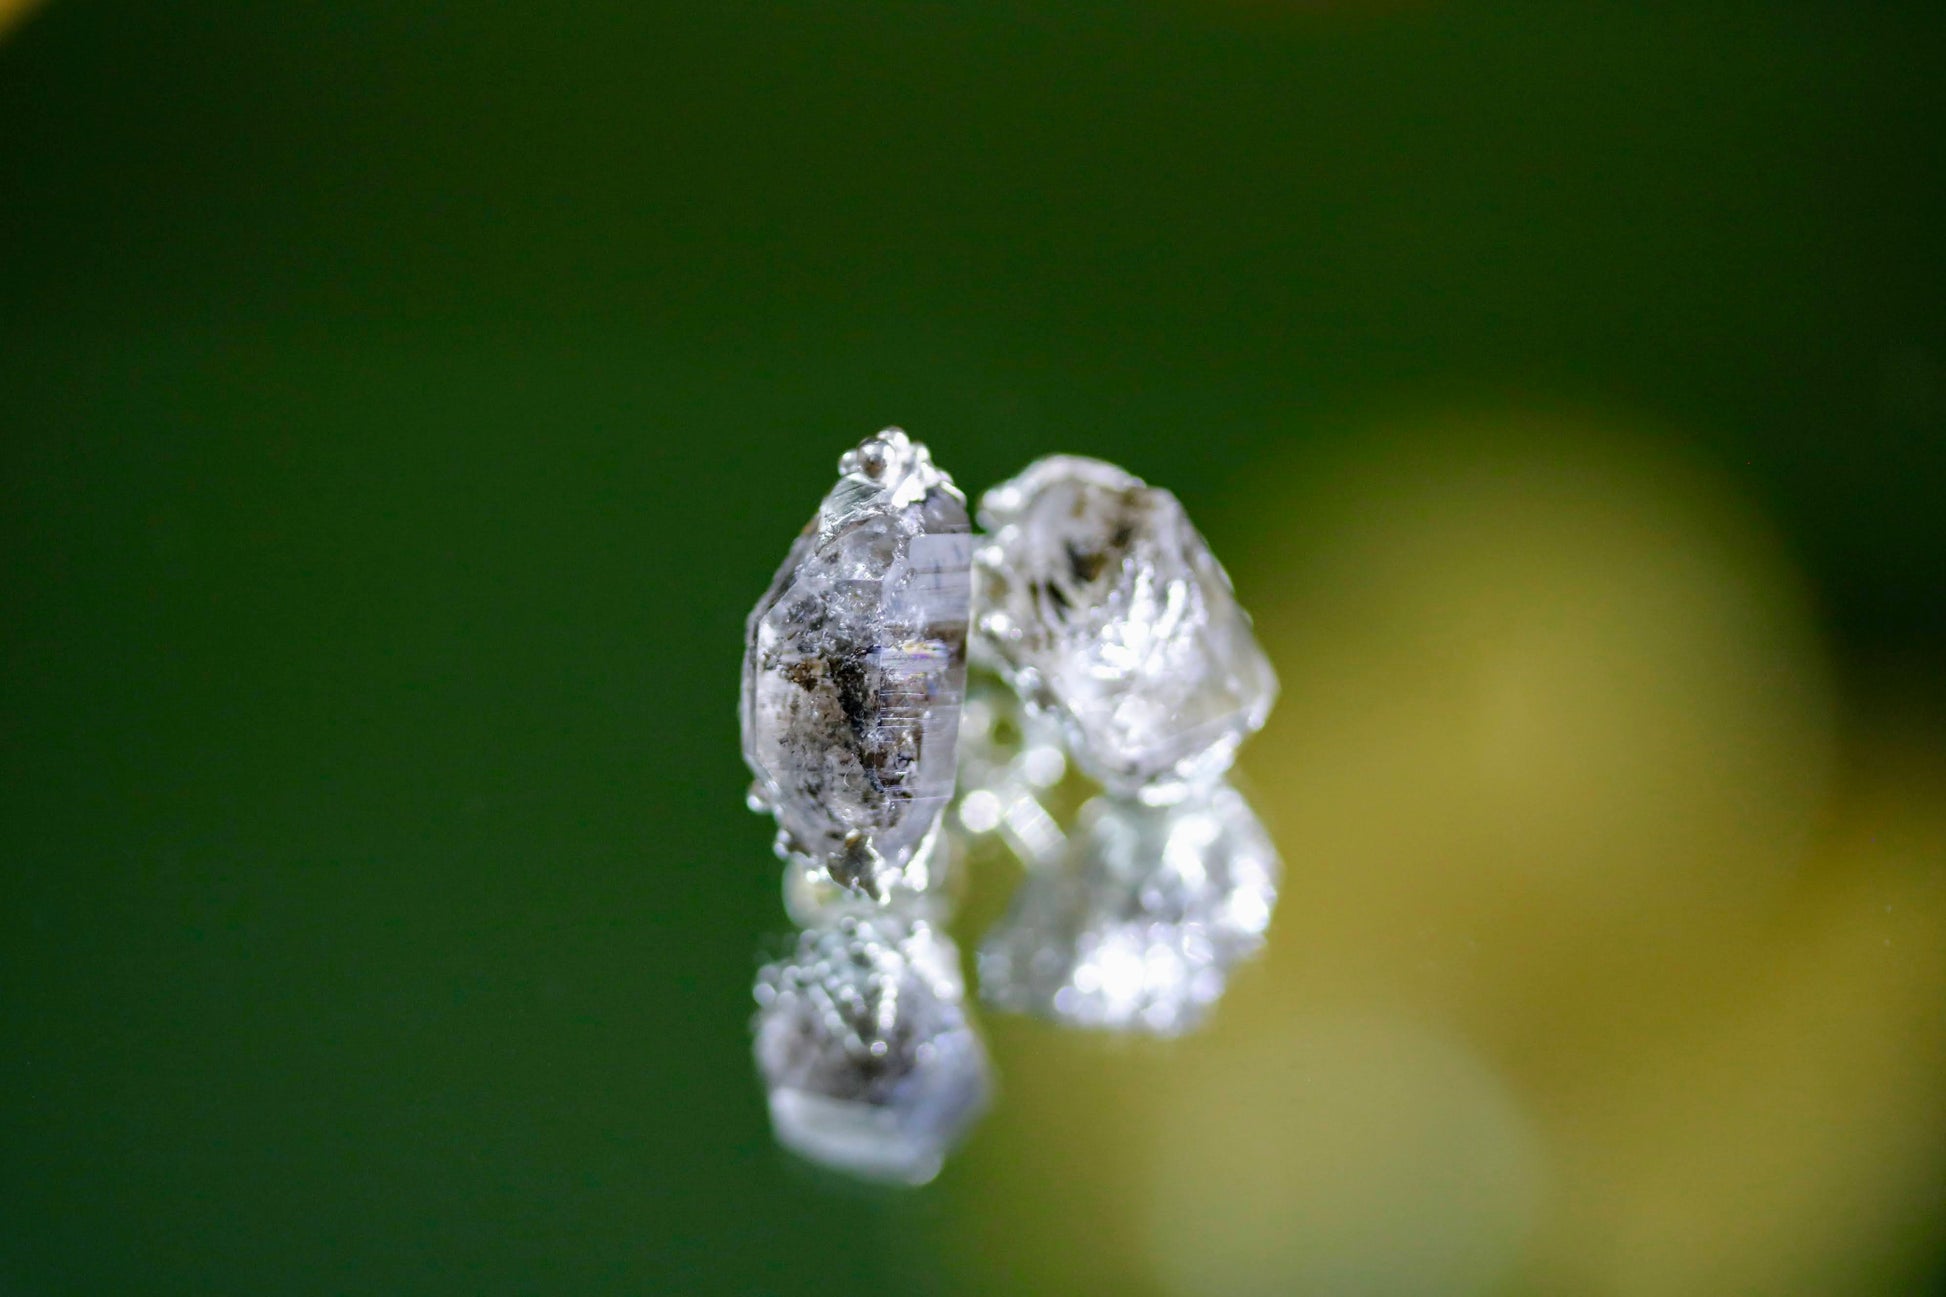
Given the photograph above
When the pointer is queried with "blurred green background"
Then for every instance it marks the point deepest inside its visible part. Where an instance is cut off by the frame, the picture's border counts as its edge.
(401, 404)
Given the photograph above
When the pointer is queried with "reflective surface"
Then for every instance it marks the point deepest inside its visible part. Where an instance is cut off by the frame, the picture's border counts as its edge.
(868, 1061)
(402, 405)
(1141, 922)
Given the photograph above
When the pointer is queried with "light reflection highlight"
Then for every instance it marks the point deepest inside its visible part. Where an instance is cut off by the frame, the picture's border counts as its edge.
(1140, 922)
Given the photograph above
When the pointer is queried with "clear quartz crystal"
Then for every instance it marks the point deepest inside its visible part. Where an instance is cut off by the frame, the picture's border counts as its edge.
(1102, 605)
(1140, 925)
(855, 668)
(865, 1050)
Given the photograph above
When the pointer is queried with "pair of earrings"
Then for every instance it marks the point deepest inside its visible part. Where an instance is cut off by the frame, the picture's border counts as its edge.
(1105, 640)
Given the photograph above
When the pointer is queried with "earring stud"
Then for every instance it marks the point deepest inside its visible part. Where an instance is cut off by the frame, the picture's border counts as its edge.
(854, 670)
(1111, 643)
(1102, 605)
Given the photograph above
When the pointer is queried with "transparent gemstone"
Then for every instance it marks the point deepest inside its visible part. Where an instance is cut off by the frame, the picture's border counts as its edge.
(1140, 925)
(855, 667)
(1100, 603)
(865, 1050)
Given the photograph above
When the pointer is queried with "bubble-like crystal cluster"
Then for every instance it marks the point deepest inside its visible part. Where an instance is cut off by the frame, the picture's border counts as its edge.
(855, 666)
(1141, 922)
(868, 1059)
(1100, 603)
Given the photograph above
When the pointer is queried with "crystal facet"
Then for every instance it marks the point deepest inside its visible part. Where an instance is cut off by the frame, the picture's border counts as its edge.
(865, 1050)
(855, 667)
(1099, 601)
(1140, 925)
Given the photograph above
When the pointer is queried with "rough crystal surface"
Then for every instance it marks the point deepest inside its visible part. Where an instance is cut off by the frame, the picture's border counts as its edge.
(1099, 601)
(1140, 925)
(865, 1050)
(855, 667)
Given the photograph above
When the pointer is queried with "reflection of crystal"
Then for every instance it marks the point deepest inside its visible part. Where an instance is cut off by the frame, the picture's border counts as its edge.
(865, 1050)
(1100, 602)
(1009, 759)
(855, 666)
(1140, 925)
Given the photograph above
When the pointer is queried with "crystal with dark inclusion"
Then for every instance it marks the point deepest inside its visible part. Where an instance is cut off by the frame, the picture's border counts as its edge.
(1140, 924)
(1103, 606)
(868, 1060)
(855, 668)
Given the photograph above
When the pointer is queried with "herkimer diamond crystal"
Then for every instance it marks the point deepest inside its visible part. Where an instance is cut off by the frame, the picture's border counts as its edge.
(855, 668)
(1101, 604)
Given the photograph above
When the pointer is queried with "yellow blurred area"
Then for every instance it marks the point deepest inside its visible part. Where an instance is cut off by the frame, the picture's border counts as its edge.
(11, 11)
(1605, 962)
